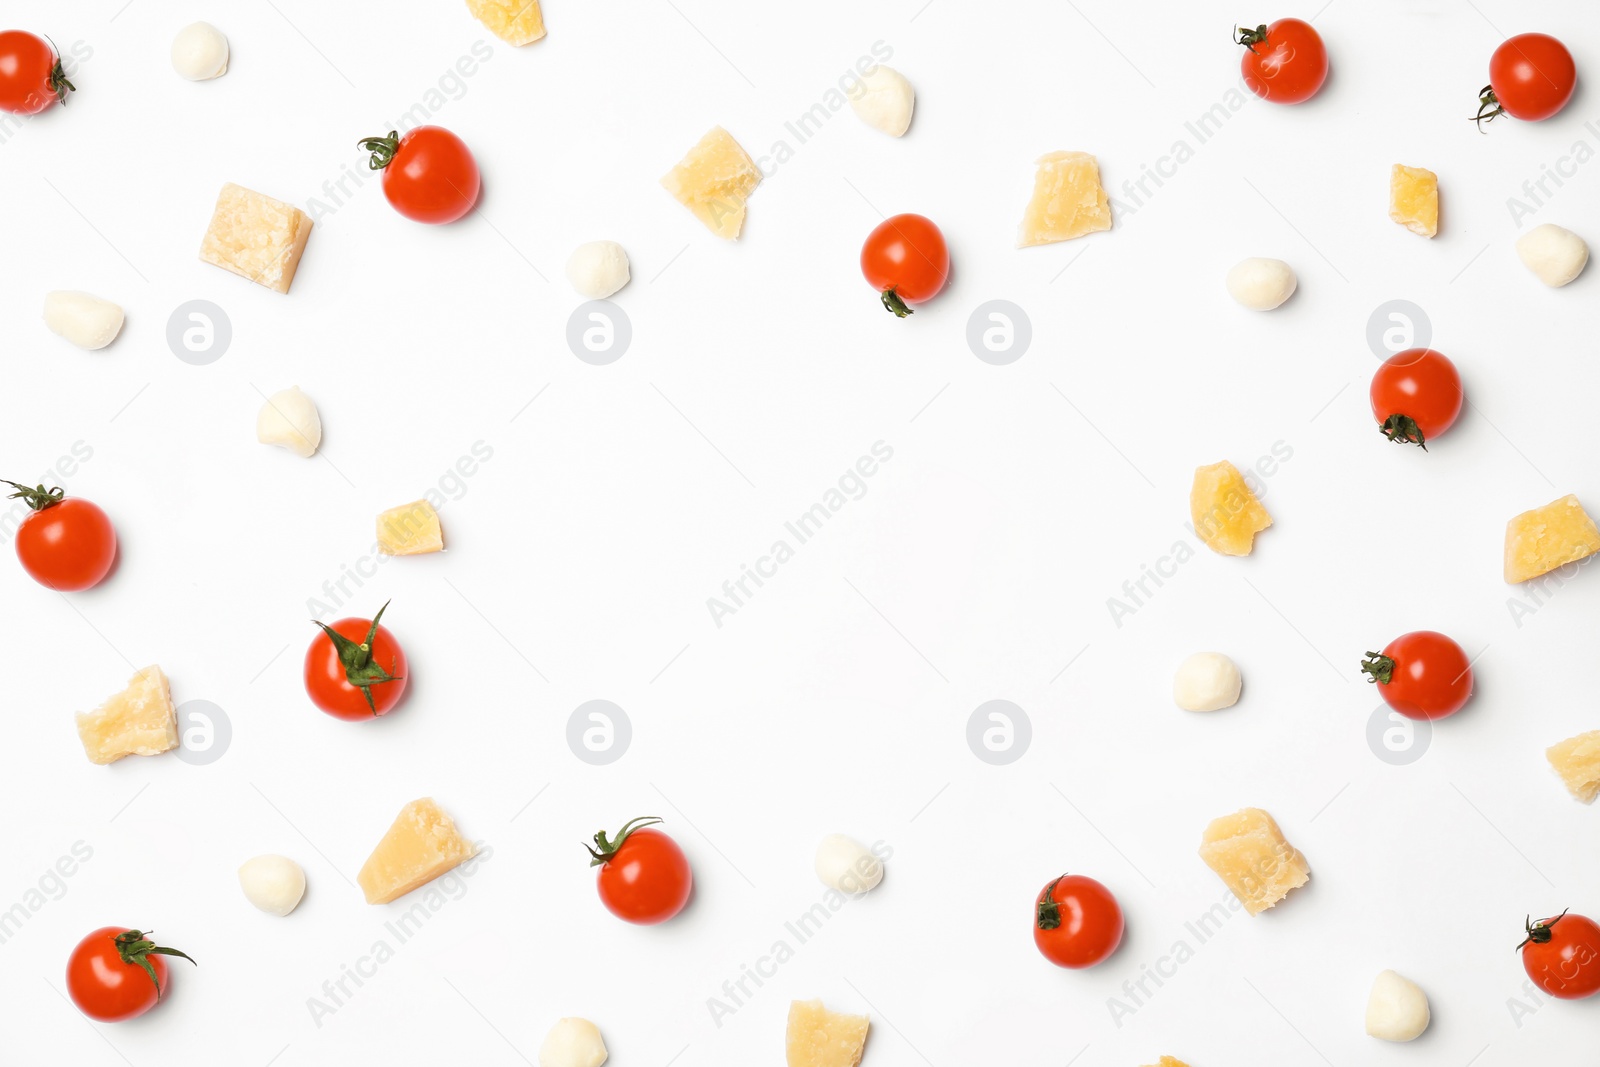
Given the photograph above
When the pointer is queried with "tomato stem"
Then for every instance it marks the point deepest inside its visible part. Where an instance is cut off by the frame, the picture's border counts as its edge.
(1539, 932)
(383, 149)
(1489, 107)
(892, 302)
(609, 848)
(58, 82)
(38, 498)
(1047, 913)
(1403, 428)
(136, 948)
(1250, 38)
(356, 659)
(1378, 667)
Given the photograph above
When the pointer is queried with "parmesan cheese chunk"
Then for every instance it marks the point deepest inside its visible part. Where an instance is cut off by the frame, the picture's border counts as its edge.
(139, 721)
(410, 530)
(1169, 1061)
(818, 1037)
(1539, 541)
(516, 22)
(422, 844)
(256, 237)
(1250, 855)
(1414, 199)
(714, 181)
(1577, 761)
(1068, 200)
(1227, 516)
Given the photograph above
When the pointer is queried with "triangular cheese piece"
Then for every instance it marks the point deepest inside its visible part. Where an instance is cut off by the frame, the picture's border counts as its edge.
(818, 1037)
(714, 180)
(139, 721)
(422, 844)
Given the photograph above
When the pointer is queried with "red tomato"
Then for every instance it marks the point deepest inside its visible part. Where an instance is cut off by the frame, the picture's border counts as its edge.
(1531, 76)
(116, 973)
(1562, 956)
(1076, 922)
(644, 876)
(66, 545)
(355, 669)
(1285, 62)
(429, 175)
(906, 260)
(1423, 674)
(31, 78)
(1416, 396)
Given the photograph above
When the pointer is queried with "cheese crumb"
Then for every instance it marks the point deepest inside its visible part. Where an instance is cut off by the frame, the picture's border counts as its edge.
(1068, 200)
(714, 181)
(410, 530)
(817, 1037)
(1577, 761)
(1414, 199)
(256, 237)
(1250, 855)
(139, 721)
(1226, 514)
(516, 22)
(1539, 541)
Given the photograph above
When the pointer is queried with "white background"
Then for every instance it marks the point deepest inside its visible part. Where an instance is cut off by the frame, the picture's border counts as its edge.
(977, 566)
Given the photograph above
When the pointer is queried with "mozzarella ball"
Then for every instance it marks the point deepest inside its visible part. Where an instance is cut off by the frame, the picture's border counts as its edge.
(200, 52)
(274, 884)
(573, 1043)
(289, 420)
(884, 101)
(1261, 284)
(1397, 1009)
(1555, 255)
(598, 269)
(85, 320)
(845, 864)
(1207, 681)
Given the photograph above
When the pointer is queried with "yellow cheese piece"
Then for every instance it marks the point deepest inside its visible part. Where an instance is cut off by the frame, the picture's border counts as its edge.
(422, 844)
(1414, 199)
(1227, 516)
(410, 530)
(818, 1037)
(516, 22)
(1068, 200)
(714, 180)
(139, 721)
(1249, 854)
(1168, 1061)
(256, 237)
(1539, 541)
(1577, 760)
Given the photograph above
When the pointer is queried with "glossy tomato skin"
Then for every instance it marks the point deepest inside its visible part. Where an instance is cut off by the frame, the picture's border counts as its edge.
(1532, 76)
(104, 987)
(433, 177)
(69, 546)
(906, 256)
(648, 880)
(1077, 923)
(1289, 66)
(1430, 675)
(1421, 385)
(1566, 964)
(27, 69)
(329, 687)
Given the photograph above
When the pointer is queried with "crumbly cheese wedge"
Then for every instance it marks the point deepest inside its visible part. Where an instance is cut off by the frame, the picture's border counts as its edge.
(1250, 855)
(256, 237)
(139, 721)
(516, 22)
(1226, 514)
(1068, 200)
(1577, 761)
(1414, 199)
(714, 181)
(1168, 1061)
(818, 1037)
(410, 530)
(1539, 541)
(422, 844)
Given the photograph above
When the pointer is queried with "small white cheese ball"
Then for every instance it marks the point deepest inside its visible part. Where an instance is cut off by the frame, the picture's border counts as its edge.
(289, 420)
(1207, 681)
(1261, 284)
(200, 52)
(845, 864)
(884, 100)
(1555, 255)
(598, 269)
(274, 884)
(85, 320)
(573, 1043)
(1397, 1010)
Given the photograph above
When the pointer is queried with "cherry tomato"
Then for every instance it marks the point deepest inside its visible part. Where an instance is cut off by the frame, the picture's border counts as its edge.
(644, 876)
(1416, 396)
(1531, 76)
(116, 973)
(31, 78)
(66, 545)
(1422, 675)
(1285, 62)
(355, 669)
(429, 175)
(1562, 956)
(905, 259)
(1076, 922)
